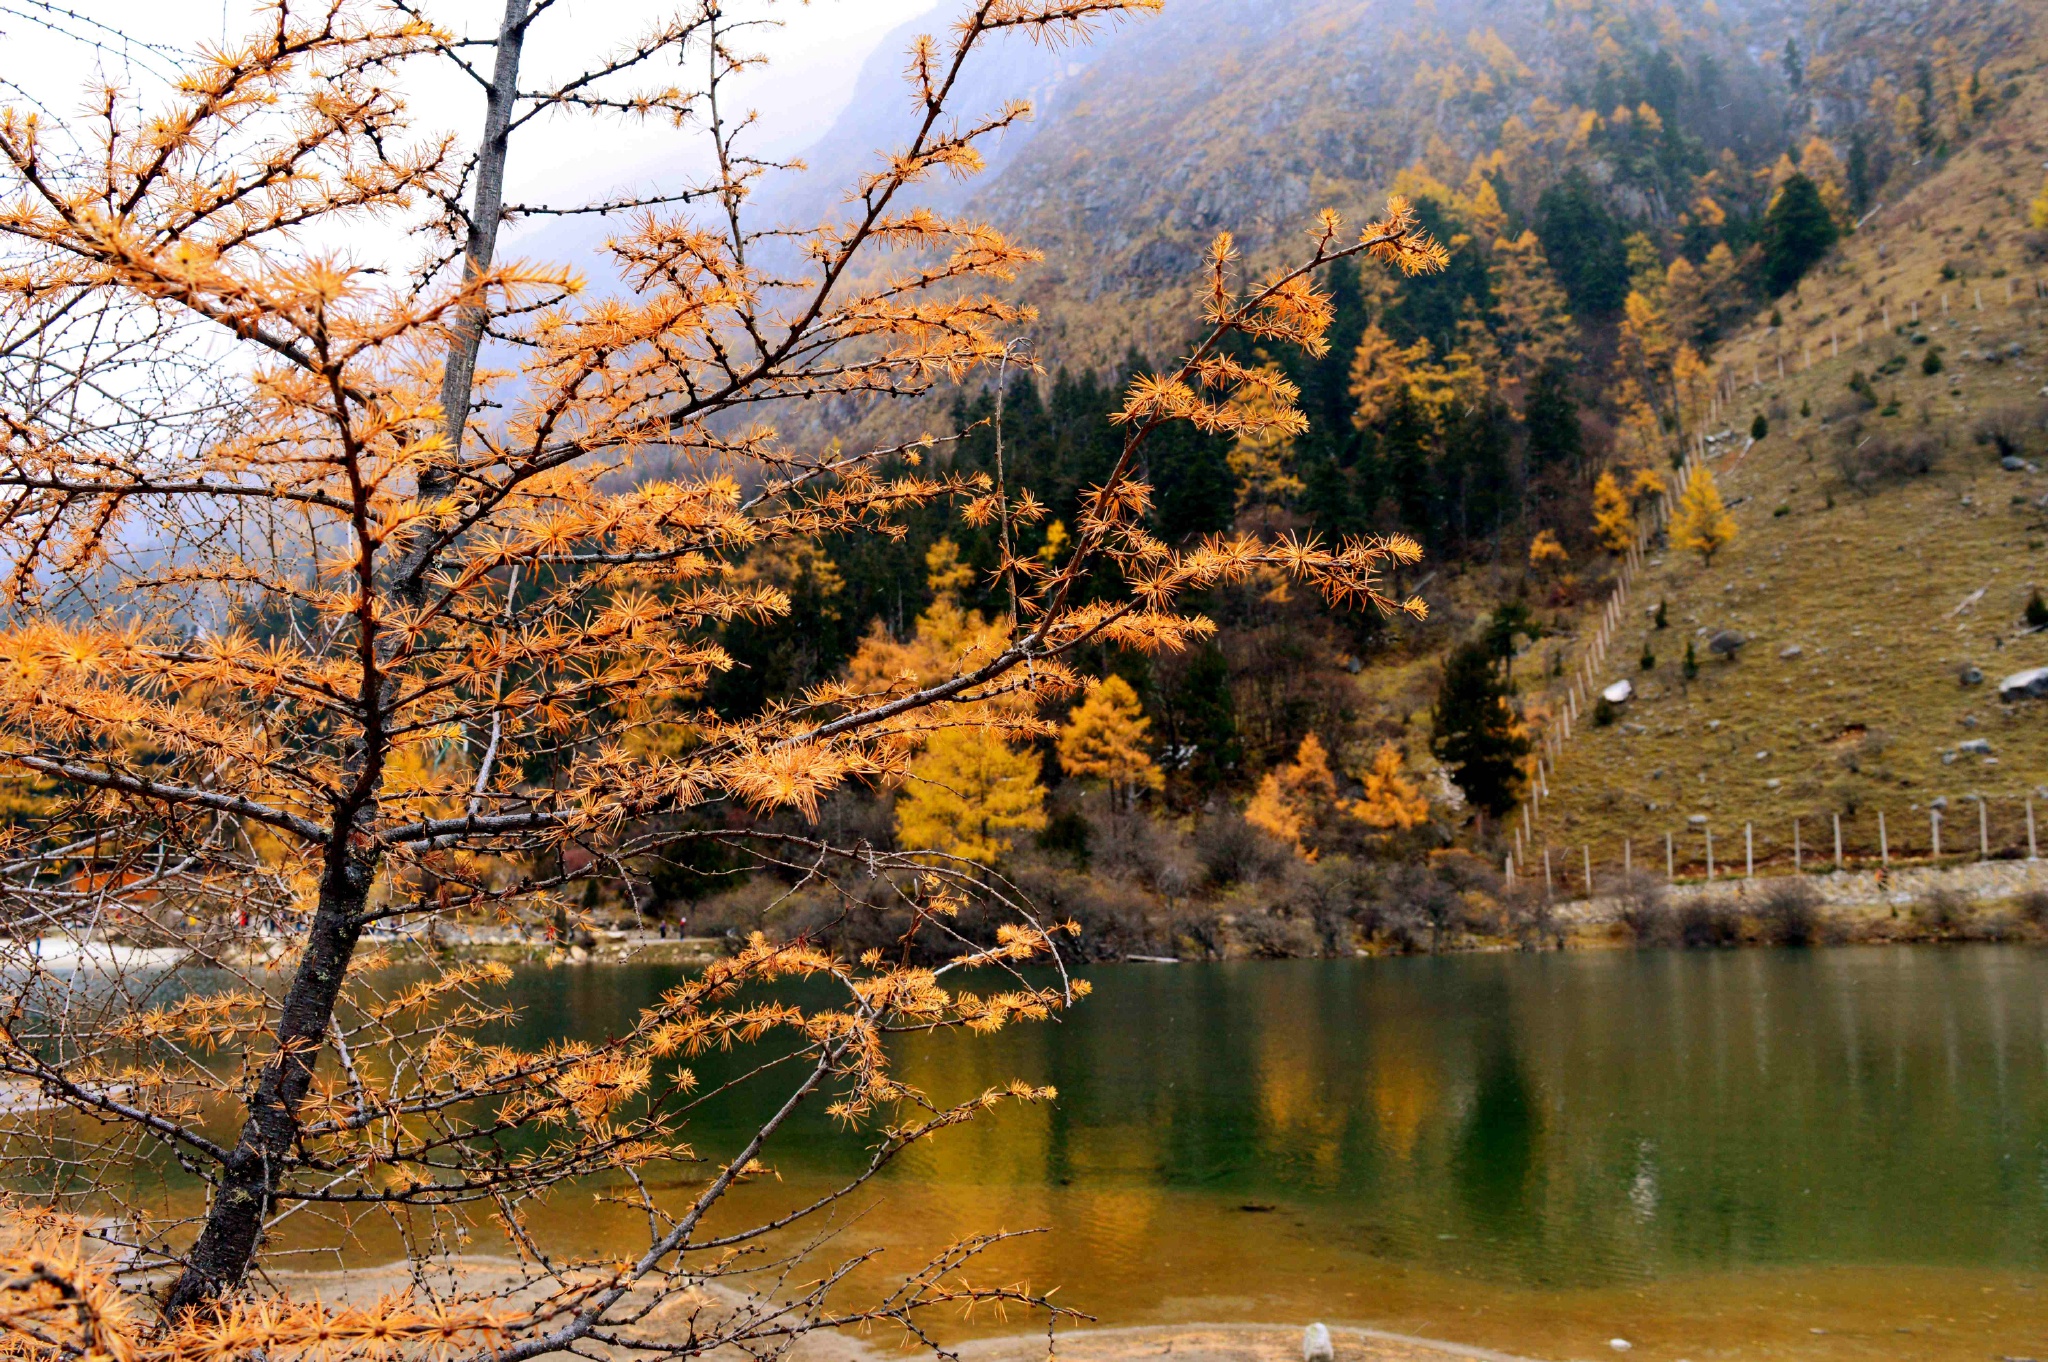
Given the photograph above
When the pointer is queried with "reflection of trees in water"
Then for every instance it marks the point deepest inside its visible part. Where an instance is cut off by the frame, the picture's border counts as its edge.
(1495, 1165)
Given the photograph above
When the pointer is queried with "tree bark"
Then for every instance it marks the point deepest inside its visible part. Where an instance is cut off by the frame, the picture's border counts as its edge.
(480, 248)
(248, 1186)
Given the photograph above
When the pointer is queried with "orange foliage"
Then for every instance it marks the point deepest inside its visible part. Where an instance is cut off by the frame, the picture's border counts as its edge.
(415, 638)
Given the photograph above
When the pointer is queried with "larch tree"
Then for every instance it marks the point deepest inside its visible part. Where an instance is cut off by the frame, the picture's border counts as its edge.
(1107, 738)
(1614, 522)
(1293, 799)
(1536, 327)
(1701, 523)
(1392, 801)
(349, 565)
(966, 793)
(1546, 553)
(1380, 375)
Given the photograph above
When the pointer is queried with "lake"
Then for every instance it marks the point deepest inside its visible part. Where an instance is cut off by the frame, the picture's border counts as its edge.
(1825, 1153)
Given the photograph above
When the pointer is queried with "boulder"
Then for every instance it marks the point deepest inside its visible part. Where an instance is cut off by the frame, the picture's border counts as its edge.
(2031, 684)
(2013, 463)
(1620, 693)
(1980, 747)
(1972, 675)
(1791, 651)
(1726, 644)
(1697, 820)
(1315, 1344)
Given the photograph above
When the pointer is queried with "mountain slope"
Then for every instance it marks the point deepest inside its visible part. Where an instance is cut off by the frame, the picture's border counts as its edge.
(1869, 593)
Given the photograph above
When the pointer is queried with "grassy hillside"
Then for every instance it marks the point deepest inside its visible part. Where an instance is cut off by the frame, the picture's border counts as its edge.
(1889, 583)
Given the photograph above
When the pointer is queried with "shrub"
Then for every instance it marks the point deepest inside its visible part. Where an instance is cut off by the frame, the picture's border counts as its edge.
(2037, 611)
(1703, 924)
(1644, 913)
(1649, 659)
(1791, 913)
(1880, 460)
(1941, 910)
(2010, 429)
(1604, 712)
(1232, 850)
(2033, 907)
(1930, 363)
(1759, 427)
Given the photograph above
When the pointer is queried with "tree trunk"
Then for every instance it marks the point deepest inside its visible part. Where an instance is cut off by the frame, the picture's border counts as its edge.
(248, 1186)
(479, 249)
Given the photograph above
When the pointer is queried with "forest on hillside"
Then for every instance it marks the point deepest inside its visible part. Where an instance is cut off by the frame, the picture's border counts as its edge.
(1612, 203)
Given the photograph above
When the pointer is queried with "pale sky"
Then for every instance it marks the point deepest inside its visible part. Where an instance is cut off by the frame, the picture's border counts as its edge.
(815, 56)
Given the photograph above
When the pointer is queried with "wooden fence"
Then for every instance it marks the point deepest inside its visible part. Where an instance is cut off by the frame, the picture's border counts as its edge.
(1689, 851)
(1969, 830)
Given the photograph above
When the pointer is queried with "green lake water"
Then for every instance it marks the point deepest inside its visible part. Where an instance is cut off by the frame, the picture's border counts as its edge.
(1804, 1153)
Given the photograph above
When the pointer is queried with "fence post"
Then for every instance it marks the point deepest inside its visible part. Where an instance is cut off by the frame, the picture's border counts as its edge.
(1627, 860)
(1748, 853)
(1936, 836)
(1546, 870)
(1586, 850)
(1795, 847)
(1511, 872)
(2033, 854)
(1983, 829)
(1884, 846)
(1710, 855)
(1838, 842)
(1670, 870)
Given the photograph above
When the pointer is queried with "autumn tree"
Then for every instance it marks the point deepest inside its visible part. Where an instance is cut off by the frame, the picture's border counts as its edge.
(1546, 553)
(1701, 523)
(1106, 738)
(1295, 797)
(1536, 328)
(967, 791)
(1392, 800)
(1613, 521)
(344, 585)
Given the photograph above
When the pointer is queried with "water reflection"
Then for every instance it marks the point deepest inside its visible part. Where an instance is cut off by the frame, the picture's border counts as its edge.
(1525, 1151)
(1585, 1118)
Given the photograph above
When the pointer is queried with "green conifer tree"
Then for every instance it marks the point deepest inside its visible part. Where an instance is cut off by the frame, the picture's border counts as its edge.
(1475, 730)
(1798, 231)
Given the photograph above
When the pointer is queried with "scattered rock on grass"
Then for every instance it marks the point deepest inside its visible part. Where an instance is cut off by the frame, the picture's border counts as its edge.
(2031, 684)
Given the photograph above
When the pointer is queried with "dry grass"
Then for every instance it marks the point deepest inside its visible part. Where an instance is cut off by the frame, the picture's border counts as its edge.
(1878, 588)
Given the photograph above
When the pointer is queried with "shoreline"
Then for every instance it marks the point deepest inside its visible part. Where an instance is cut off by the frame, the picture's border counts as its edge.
(1196, 1341)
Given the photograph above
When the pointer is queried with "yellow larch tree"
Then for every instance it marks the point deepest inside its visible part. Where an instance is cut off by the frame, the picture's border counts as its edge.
(1392, 800)
(1546, 553)
(967, 792)
(1701, 523)
(1294, 798)
(410, 607)
(1536, 325)
(1614, 522)
(1380, 375)
(1106, 738)
(1262, 456)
